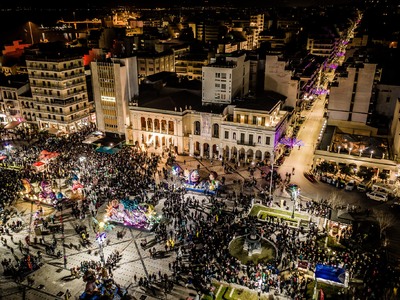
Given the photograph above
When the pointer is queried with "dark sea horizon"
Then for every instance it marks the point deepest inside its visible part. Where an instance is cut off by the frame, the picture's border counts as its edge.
(14, 25)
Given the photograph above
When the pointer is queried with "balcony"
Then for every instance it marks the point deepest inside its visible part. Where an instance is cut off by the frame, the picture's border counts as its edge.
(50, 77)
(62, 97)
(244, 143)
(58, 87)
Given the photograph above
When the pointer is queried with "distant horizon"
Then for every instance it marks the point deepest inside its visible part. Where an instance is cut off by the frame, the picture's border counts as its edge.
(159, 3)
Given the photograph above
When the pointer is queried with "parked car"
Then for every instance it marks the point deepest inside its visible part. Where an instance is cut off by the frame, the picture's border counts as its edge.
(362, 187)
(350, 185)
(310, 177)
(377, 196)
(340, 183)
(395, 205)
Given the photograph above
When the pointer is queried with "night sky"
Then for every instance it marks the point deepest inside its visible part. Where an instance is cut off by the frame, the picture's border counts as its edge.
(164, 3)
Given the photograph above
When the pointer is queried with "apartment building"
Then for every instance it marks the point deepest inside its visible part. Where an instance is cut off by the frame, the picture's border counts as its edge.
(115, 84)
(11, 88)
(226, 78)
(150, 63)
(190, 65)
(257, 26)
(352, 93)
(280, 79)
(59, 100)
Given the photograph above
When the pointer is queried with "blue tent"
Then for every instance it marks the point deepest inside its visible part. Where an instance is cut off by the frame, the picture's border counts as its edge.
(109, 150)
(330, 274)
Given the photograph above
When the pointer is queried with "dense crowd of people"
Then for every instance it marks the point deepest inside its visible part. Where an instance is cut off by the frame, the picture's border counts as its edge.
(199, 228)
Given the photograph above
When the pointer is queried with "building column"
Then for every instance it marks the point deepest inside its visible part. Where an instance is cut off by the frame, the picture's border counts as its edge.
(229, 154)
(254, 156)
(211, 152)
(175, 128)
(191, 148)
(262, 155)
(201, 150)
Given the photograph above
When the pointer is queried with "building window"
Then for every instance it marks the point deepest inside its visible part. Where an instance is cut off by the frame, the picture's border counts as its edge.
(197, 130)
(238, 118)
(250, 139)
(234, 136)
(216, 130)
(246, 119)
(254, 120)
(259, 139)
(387, 99)
(267, 140)
(226, 135)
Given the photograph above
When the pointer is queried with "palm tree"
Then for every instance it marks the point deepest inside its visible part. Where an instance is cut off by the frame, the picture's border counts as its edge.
(324, 166)
(346, 170)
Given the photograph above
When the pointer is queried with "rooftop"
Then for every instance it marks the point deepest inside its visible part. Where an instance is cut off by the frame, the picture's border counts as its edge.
(265, 102)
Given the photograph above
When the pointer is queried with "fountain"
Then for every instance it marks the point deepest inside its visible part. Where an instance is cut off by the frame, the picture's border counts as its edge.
(252, 243)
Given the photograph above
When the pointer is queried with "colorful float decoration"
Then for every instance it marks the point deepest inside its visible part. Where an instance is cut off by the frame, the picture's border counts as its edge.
(77, 187)
(176, 170)
(208, 186)
(46, 194)
(27, 186)
(132, 213)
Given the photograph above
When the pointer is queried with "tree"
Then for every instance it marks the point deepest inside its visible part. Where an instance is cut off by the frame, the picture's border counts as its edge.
(384, 220)
(324, 166)
(291, 142)
(335, 200)
(346, 170)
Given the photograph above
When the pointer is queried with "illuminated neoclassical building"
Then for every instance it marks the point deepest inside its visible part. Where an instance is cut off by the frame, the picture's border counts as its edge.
(245, 130)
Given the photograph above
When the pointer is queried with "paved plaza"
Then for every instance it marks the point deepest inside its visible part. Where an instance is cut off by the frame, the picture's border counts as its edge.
(53, 279)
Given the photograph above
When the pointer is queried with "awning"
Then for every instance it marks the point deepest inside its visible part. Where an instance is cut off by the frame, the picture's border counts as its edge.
(12, 125)
(38, 164)
(52, 130)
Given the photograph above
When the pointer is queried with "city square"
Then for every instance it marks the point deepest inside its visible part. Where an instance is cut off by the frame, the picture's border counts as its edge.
(199, 153)
(156, 264)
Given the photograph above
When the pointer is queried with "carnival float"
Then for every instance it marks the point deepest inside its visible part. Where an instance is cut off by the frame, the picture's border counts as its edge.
(208, 186)
(132, 213)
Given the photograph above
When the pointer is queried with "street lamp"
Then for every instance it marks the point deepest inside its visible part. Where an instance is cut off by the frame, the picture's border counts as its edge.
(294, 198)
(350, 150)
(338, 149)
(372, 152)
(272, 173)
(8, 147)
(361, 151)
(100, 238)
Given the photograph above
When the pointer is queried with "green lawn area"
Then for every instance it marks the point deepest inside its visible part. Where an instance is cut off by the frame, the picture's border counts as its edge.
(330, 291)
(227, 292)
(262, 212)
